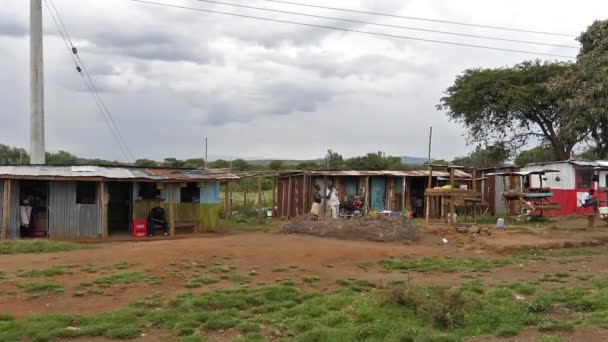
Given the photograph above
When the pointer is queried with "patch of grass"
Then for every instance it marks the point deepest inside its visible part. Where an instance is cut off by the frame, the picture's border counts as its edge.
(549, 339)
(280, 270)
(120, 278)
(47, 272)
(446, 265)
(122, 265)
(239, 279)
(356, 285)
(555, 326)
(79, 294)
(559, 253)
(39, 246)
(585, 277)
(42, 286)
(365, 265)
(310, 279)
(199, 281)
(223, 269)
(555, 278)
(5, 317)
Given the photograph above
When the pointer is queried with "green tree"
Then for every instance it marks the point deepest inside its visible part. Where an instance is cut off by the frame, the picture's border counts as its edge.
(241, 165)
(333, 160)
(13, 155)
(374, 162)
(194, 163)
(584, 88)
(173, 162)
(276, 165)
(61, 158)
(220, 164)
(536, 155)
(484, 157)
(146, 163)
(513, 106)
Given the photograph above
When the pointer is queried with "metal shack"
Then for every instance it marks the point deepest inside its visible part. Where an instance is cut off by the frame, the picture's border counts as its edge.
(81, 202)
(380, 190)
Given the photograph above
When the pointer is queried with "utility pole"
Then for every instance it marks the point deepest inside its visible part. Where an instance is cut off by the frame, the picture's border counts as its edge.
(37, 149)
(206, 157)
(430, 144)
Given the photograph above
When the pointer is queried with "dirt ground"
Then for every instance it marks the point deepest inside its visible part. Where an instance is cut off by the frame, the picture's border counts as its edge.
(273, 256)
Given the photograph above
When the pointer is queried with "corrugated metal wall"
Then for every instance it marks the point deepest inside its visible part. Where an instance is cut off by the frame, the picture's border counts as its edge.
(69, 220)
(1, 200)
(13, 226)
(566, 175)
(210, 193)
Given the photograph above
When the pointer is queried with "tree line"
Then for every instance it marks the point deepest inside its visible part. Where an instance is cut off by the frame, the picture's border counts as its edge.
(559, 108)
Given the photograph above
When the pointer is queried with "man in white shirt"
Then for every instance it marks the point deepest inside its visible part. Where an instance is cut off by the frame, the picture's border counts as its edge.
(333, 203)
(588, 200)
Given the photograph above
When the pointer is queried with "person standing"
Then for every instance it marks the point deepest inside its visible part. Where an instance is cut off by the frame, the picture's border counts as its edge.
(333, 203)
(316, 203)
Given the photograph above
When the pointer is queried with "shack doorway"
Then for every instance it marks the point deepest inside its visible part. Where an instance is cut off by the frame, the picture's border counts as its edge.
(33, 209)
(119, 208)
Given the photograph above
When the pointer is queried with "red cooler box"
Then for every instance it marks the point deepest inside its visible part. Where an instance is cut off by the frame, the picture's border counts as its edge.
(140, 228)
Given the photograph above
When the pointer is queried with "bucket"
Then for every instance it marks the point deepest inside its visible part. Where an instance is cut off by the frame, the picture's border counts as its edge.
(269, 213)
(452, 218)
(500, 223)
(396, 214)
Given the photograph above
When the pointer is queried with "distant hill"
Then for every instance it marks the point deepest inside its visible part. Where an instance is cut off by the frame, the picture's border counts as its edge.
(413, 160)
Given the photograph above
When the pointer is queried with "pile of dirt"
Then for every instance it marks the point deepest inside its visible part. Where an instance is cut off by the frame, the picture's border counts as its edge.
(379, 229)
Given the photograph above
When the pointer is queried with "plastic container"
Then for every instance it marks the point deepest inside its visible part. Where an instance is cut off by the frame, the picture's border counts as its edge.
(453, 218)
(140, 228)
(500, 223)
(396, 214)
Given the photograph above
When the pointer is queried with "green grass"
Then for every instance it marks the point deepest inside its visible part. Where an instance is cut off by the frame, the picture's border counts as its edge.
(310, 279)
(443, 264)
(199, 281)
(280, 270)
(239, 279)
(549, 339)
(39, 246)
(47, 272)
(121, 278)
(398, 312)
(42, 286)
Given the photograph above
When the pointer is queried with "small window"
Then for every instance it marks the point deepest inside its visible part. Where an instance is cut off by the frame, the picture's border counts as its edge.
(86, 193)
(584, 178)
(149, 191)
(190, 193)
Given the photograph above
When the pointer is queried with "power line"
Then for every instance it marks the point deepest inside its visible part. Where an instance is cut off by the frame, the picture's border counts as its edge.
(422, 19)
(88, 80)
(388, 25)
(355, 31)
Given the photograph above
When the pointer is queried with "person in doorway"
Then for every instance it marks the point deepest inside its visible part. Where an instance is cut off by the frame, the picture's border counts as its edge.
(418, 204)
(316, 203)
(589, 200)
(157, 217)
(333, 203)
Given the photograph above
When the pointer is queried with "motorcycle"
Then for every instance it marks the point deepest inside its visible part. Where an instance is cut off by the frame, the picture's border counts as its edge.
(352, 208)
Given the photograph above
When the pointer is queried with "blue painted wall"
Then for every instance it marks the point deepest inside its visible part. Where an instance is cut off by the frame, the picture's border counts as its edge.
(210, 193)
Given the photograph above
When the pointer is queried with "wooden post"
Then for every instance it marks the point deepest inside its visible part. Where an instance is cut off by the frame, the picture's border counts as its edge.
(260, 197)
(324, 201)
(296, 195)
(274, 196)
(474, 180)
(367, 196)
(103, 209)
(452, 204)
(408, 195)
(230, 199)
(171, 210)
(245, 205)
(428, 197)
(403, 194)
(6, 208)
(289, 199)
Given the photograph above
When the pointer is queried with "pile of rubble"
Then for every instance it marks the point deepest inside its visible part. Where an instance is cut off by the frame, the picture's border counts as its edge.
(380, 229)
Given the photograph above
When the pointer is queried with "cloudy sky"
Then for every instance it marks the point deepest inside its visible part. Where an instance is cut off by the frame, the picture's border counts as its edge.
(260, 89)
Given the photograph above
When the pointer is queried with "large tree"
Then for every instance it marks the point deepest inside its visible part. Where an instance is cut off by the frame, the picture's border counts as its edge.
(484, 157)
(584, 88)
(513, 106)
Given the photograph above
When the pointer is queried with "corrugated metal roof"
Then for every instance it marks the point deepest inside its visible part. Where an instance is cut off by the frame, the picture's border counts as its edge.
(117, 173)
(418, 173)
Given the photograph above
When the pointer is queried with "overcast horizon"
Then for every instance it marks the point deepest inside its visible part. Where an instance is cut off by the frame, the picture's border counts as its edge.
(262, 90)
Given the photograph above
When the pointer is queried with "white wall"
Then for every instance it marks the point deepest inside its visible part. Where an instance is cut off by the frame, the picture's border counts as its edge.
(566, 175)
(603, 179)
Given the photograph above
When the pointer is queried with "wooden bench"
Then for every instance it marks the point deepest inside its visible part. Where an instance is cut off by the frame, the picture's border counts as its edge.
(195, 224)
